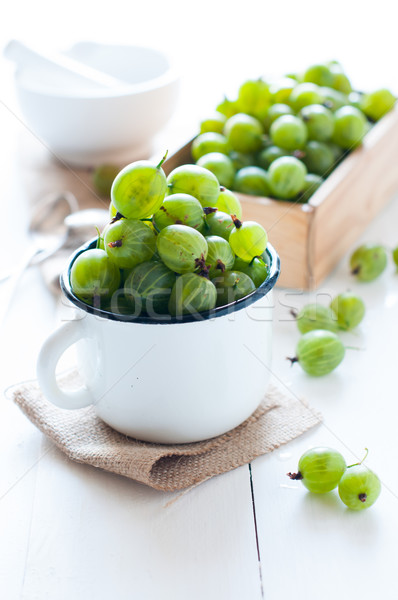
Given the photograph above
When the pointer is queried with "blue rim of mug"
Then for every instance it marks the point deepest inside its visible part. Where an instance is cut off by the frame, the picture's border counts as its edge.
(262, 290)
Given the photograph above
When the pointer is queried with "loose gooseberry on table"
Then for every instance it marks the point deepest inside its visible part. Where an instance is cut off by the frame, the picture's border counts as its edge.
(359, 487)
(349, 309)
(368, 261)
(395, 256)
(319, 352)
(320, 469)
(315, 316)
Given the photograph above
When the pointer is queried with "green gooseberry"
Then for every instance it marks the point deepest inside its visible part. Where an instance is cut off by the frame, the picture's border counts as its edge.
(319, 74)
(368, 262)
(349, 127)
(316, 316)
(200, 183)
(219, 256)
(209, 142)
(181, 248)
(320, 469)
(257, 269)
(139, 189)
(378, 103)
(244, 133)
(191, 294)
(333, 99)
(282, 88)
(103, 178)
(304, 94)
(148, 286)
(311, 183)
(319, 352)
(349, 310)
(229, 203)
(318, 158)
(252, 181)
(268, 155)
(254, 98)
(231, 286)
(227, 107)
(220, 165)
(359, 487)
(275, 111)
(241, 159)
(213, 123)
(94, 275)
(395, 256)
(218, 223)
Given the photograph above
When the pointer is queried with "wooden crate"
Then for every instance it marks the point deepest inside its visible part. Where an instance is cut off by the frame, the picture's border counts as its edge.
(311, 238)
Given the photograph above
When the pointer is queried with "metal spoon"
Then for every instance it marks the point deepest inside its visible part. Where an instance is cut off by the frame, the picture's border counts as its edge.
(49, 231)
(55, 219)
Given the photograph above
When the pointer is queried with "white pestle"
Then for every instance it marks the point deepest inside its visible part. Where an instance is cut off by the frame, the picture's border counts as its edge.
(24, 56)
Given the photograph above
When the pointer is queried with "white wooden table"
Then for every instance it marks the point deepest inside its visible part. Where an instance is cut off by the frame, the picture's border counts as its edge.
(73, 532)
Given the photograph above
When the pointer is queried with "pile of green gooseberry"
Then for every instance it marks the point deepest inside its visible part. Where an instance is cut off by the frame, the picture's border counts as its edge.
(322, 469)
(319, 351)
(174, 246)
(281, 139)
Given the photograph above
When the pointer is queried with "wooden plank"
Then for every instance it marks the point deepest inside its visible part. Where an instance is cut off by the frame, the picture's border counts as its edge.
(304, 537)
(98, 535)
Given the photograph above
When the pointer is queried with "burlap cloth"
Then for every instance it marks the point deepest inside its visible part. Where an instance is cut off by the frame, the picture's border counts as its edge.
(84, 438)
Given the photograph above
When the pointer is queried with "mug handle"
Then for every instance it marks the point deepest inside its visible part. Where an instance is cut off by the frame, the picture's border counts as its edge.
(53, 348)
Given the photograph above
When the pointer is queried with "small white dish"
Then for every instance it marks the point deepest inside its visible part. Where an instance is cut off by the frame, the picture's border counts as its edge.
(84, 125)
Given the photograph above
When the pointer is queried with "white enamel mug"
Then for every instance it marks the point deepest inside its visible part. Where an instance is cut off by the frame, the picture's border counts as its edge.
(169, 381)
